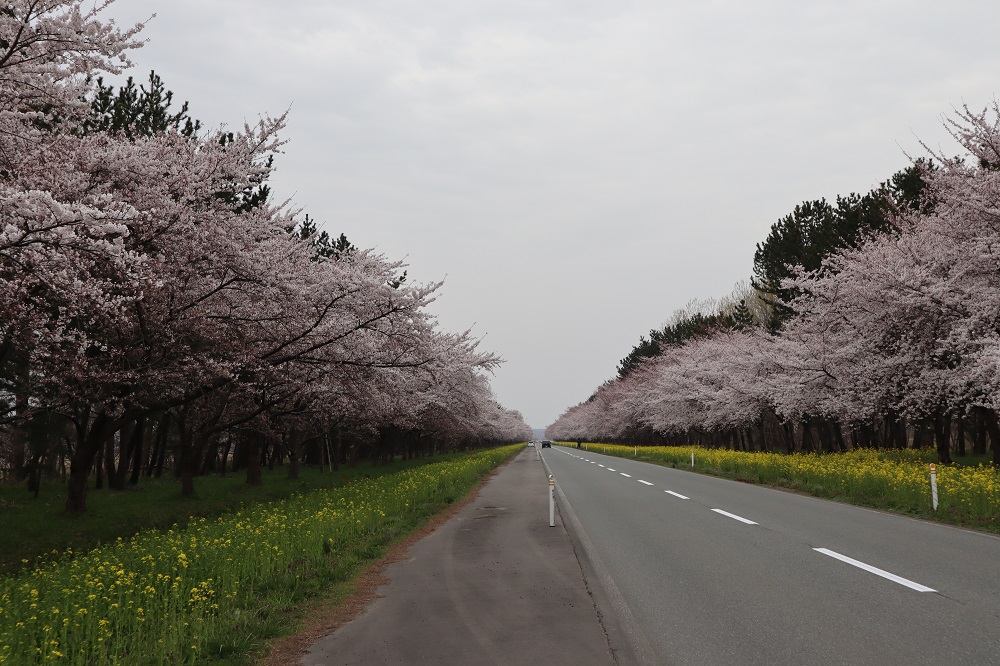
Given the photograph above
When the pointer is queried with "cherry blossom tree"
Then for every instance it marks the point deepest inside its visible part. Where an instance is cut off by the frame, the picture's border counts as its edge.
(900, 328)
(147, 273)
(906, 325)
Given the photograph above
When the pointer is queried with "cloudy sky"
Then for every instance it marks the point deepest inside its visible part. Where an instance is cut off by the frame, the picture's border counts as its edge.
(575, 170)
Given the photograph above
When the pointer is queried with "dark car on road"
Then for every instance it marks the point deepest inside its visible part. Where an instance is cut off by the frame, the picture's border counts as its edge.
(546, 443)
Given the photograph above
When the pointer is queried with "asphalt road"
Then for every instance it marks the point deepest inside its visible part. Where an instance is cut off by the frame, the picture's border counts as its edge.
(709, 571)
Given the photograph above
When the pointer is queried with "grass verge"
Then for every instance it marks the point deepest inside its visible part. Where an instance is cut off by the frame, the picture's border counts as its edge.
(35, 527)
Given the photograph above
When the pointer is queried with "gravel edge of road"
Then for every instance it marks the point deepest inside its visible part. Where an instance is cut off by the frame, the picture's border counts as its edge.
(626, 639)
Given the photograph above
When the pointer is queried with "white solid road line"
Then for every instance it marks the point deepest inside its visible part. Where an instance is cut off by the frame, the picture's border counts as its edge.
(734, 516)
(878, 572)
(676, 494)
(646, 482)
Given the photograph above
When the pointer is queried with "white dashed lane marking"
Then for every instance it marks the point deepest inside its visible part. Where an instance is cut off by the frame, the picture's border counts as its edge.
(875, 570)
(734, 516)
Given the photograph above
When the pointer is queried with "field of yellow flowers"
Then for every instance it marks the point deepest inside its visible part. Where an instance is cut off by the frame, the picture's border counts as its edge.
(897, 480)
(170, 597)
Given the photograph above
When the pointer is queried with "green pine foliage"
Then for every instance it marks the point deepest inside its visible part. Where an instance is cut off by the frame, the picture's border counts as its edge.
(815, 230)
(137, 112)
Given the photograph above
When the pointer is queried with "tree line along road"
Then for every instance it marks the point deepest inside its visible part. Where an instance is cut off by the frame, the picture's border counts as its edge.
(716, 571)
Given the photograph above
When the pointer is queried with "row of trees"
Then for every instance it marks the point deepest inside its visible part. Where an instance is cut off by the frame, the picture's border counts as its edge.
(880, 327)
(156, 305)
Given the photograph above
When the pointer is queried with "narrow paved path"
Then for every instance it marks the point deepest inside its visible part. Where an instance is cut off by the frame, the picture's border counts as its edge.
(494, 585)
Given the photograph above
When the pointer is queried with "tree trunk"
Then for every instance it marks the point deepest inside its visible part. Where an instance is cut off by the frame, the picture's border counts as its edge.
(825, 436)
(210, 459)
(866, 436)
(942, 437)
(109, 461)
(992, 425)
(19, 434)
(838, 436)
(353, 455)
(960, 436)
(979, 436)
(807, 438)
(137, 443)
(91, 436)
(19, 440)
(239, 453)
(99, 467)
(294, 452)
(192, 447)
(338, 447)
(225, 455)
(161, 455)
(277, 452)
(252, 442)
(126, 451)
(897, 432)
(187, 479)
(159, 442)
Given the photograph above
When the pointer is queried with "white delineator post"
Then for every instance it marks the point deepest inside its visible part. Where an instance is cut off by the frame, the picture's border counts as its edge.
(934, 497)
(552, 501)
(692, 457)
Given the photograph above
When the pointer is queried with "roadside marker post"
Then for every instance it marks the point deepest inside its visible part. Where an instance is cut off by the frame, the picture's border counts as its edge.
(552, 501)
(934, 495)
(692, 456)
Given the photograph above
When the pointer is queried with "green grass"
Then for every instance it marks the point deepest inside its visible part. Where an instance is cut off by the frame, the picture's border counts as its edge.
(31, 527)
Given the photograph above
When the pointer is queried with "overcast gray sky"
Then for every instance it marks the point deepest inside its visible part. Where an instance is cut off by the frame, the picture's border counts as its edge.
(575, 170)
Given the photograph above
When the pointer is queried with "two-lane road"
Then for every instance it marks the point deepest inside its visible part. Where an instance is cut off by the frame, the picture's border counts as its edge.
(720, 572)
